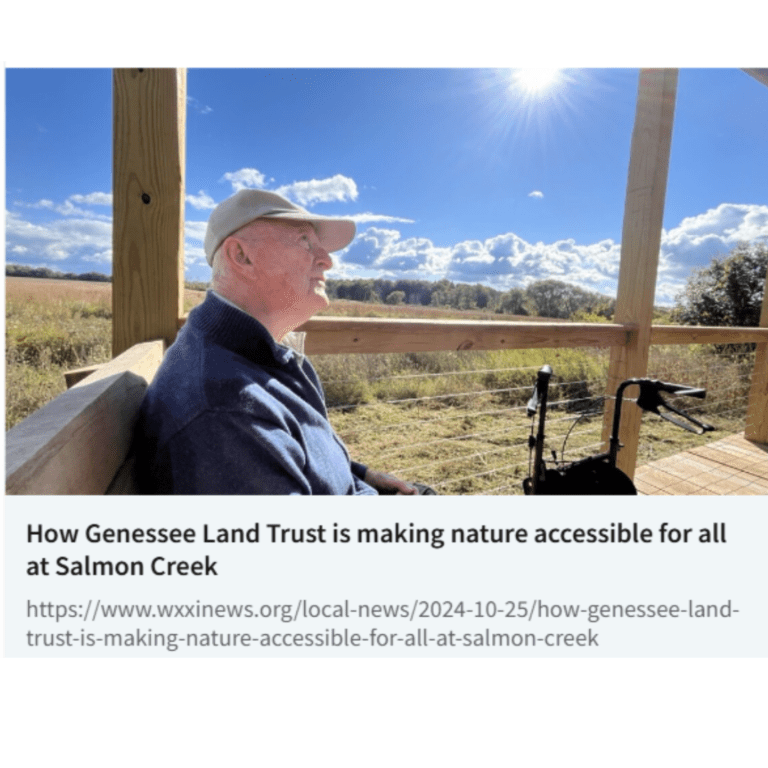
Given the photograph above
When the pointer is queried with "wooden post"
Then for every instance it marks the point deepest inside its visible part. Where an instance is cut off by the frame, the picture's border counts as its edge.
(149, 112)
(640, 242)
(757, 410)
(759, 74)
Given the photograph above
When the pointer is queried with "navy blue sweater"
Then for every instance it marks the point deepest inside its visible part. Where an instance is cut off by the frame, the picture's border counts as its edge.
(230, 411)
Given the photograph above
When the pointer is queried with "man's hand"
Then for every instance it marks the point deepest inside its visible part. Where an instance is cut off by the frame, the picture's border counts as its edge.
(388, 485)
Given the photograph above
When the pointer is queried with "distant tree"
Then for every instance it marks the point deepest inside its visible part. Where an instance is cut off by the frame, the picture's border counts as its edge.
(396, 297)
(362, 290)
(551, 298)
(95, 276)
(554, 298)
(381, 288)
(440, 293)
(513, 302)
(727, 292)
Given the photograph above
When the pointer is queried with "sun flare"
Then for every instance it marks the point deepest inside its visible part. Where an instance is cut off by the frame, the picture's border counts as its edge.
(536, 81)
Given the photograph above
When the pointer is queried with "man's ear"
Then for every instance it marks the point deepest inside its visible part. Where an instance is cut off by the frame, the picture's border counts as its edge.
(235, 255)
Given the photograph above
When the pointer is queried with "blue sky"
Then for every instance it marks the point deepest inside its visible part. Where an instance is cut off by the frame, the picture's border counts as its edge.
(470, 174)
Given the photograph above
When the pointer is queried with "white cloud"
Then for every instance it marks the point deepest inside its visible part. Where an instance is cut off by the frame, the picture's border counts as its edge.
(697, 239)
(366, 218)
(194, 255)
(535, 193)
(198, 107)
(67, 208)
(195, 230)
(502, 261)
(59, 239)
(337, 188)
(201, 201)
(245, 178)
(101, 257)
(94, 198)
(194, 236)
(384, 249)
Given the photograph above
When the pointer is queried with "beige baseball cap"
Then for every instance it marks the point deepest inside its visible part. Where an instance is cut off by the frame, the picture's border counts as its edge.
(247, 205)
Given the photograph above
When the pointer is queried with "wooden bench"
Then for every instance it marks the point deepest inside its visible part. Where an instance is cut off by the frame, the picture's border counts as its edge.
(80, 442)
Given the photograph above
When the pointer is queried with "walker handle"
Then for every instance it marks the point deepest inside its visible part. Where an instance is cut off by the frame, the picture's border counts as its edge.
(541, 385)
(650, 399)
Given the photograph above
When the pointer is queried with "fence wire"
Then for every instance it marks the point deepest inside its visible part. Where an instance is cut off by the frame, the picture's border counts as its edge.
(466, 431)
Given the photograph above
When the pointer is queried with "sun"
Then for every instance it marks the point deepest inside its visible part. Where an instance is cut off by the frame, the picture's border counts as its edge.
(536, 81)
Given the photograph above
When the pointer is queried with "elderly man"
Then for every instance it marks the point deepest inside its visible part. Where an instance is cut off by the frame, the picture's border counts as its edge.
(236, 407)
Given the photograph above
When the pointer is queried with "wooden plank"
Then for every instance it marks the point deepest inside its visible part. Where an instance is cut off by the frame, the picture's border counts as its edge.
(74, 375)
(640, 242)
(149, 108)
(142, 359)
(700, 334)
(759, 74)
(757, 407)
(333, 335)
(714, 469)
(76, 443)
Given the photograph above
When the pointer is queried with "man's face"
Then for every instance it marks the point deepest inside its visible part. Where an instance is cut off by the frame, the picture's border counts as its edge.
(289, 266)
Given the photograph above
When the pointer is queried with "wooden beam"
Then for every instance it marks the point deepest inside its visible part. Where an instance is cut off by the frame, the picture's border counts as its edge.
(757, 408)
(759, 74)
(76, 443)
(72, 376)
(640, 242)
(149, 110)
(701, 334)
(332, 335)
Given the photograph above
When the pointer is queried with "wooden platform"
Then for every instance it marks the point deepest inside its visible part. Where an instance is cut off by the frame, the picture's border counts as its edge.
(733, 466)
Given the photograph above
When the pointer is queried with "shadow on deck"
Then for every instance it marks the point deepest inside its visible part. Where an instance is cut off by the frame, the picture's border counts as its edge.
(733, 466)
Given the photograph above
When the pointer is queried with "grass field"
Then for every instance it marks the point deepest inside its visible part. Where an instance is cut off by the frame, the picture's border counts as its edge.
(52, 326)
(454, 420)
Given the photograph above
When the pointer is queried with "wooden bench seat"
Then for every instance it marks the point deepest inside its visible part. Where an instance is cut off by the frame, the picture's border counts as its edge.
(79, 443)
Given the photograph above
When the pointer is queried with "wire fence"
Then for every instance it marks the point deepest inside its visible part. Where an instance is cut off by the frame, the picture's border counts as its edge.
(458, 423)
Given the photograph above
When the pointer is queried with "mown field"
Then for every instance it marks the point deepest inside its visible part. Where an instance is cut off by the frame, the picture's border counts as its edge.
(454, 420)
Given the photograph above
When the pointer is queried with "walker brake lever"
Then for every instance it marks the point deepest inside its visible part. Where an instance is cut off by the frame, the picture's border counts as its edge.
(650, 399)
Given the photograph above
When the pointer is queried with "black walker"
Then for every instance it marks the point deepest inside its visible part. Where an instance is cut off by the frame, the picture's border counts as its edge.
(598, 474)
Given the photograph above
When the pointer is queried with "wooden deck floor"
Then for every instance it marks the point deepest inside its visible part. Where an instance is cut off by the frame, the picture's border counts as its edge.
(733, 466)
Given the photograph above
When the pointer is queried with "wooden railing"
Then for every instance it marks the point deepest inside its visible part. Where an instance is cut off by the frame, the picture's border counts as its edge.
(331, 335)
(345, 335)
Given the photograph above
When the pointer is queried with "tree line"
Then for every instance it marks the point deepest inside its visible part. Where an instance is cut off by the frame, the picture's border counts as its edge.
(544, 298)
(21, 270)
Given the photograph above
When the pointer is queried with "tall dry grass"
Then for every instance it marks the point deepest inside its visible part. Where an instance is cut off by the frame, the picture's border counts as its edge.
(50, 327)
